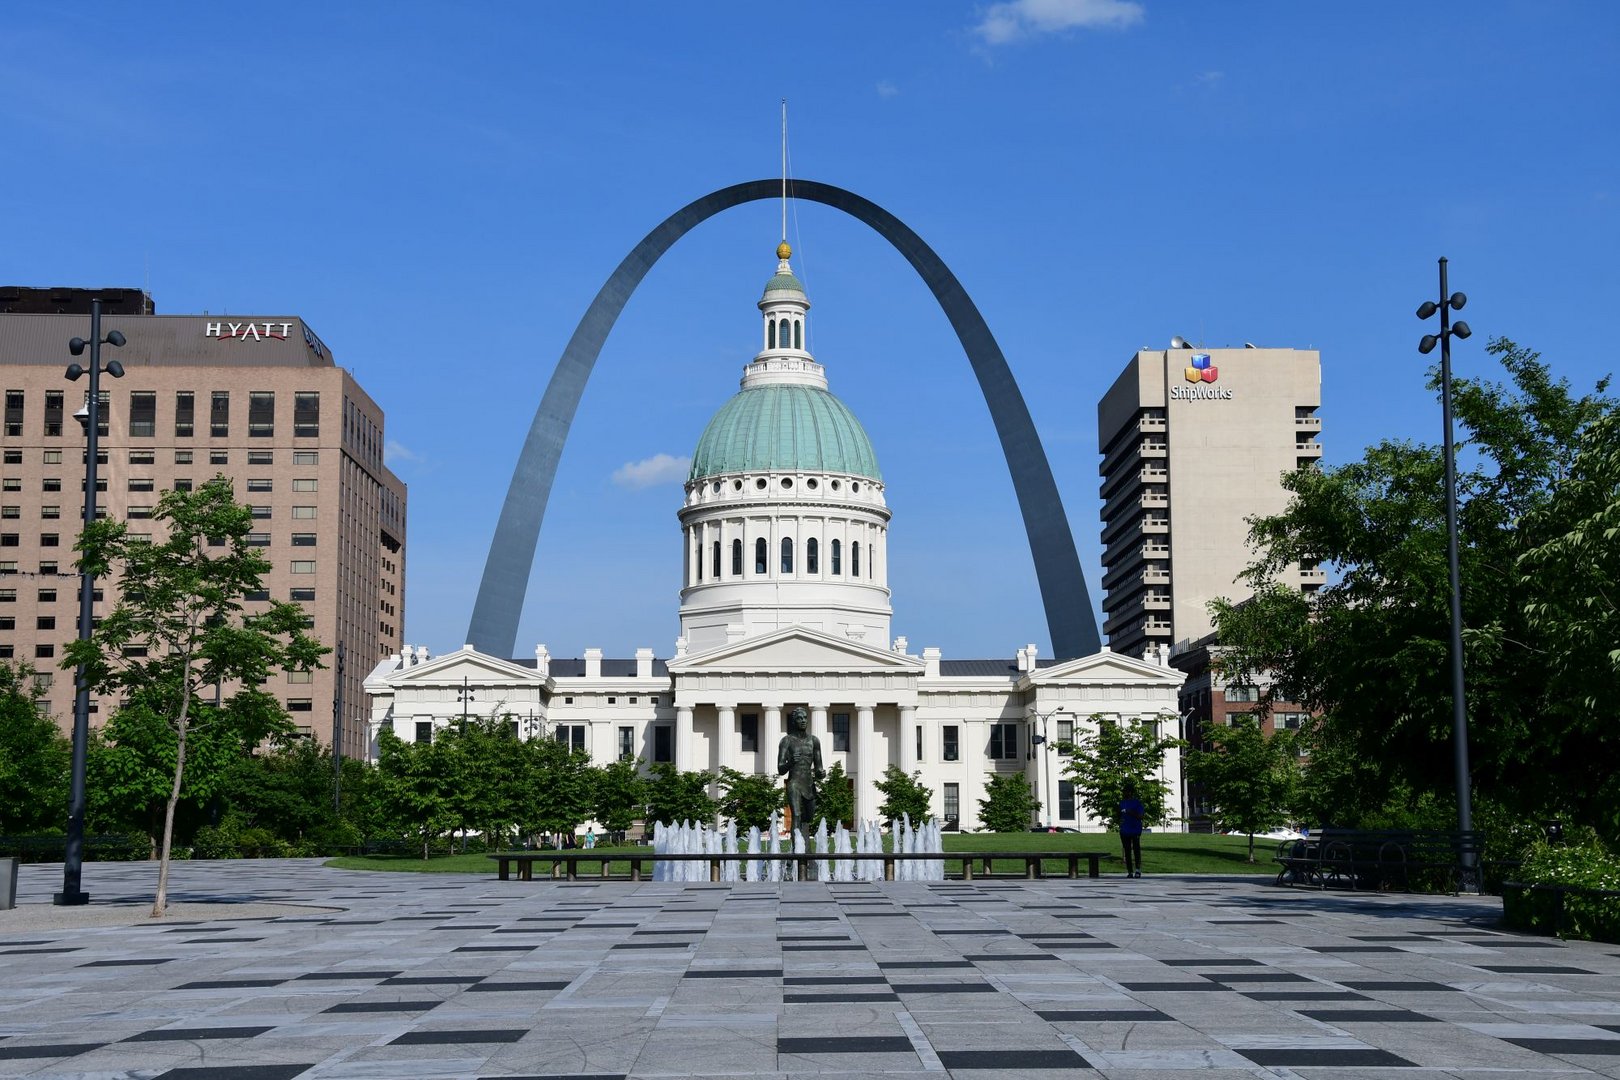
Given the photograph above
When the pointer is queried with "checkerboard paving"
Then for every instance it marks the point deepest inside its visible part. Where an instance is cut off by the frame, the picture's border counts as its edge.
(424, 976)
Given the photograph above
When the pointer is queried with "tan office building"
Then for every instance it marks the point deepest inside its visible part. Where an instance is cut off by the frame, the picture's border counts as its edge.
(256, 398)
(1194, 441)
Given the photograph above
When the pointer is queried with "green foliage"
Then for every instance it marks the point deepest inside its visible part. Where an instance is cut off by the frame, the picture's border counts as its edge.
(416, 788)
(674, 796)
(559, 787)
(750, 798)
(1585, 863)
(835, 797)
(620, 792)
(904, 794)
(1111, 756)
(1009, 805)
(1536, 482)
(1248, 775)
(491, 768)
(34, 757)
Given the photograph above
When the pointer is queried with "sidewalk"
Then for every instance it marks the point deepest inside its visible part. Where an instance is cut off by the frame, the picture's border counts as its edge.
(426, 975)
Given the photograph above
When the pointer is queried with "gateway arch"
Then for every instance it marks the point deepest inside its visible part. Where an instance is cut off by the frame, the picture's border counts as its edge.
(501, 591)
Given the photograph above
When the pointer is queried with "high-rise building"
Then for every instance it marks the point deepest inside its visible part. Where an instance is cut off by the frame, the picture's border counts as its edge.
(1193, 443)
(257, 399)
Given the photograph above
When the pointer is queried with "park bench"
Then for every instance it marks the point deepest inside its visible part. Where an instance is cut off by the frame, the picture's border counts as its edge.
(566, 863)
(1381, 859)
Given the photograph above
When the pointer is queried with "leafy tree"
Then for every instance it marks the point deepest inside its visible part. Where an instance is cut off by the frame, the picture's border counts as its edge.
(288, 791)
(674, 796)
(34, 757)
(1110, 757)
(1009, 805)
(491, 769)
(1536, 478)
(416, 787)
(620, 792)
(835, 797)
(904, 794)
(1248, 775)
(179, 626)
(362, 808)
(558, 787)
(750, 798)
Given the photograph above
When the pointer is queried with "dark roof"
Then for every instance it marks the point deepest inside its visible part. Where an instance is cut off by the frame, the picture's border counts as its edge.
(988, 668)
(574, 667)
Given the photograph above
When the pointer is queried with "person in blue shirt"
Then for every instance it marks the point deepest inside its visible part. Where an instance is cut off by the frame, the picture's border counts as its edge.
(1131, 813)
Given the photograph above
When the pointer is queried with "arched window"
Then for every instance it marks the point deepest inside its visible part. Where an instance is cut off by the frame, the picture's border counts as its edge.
(770, 335)
(787, 555)
(736, 558)
(836, 560)
(855, 559)
(717, 558)
(811, 566)
(759, 555)
(798, 334)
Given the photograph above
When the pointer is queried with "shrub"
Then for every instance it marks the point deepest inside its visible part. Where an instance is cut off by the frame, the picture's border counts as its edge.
(1584, 863)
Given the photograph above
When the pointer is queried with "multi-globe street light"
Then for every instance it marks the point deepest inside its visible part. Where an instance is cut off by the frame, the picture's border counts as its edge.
(1459, 705)
(73, 858)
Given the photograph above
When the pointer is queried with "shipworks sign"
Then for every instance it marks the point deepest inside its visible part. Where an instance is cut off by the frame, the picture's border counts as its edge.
(1203, 376)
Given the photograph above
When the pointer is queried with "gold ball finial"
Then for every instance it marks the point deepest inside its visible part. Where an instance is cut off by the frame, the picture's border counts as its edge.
(784, 250)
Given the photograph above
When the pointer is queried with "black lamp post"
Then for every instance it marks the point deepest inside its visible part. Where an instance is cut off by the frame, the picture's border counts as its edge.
(1459, 705)
(73, 858)
(465, 695)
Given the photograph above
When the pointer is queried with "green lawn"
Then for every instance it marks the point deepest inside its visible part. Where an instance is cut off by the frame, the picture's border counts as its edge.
(1162, 853)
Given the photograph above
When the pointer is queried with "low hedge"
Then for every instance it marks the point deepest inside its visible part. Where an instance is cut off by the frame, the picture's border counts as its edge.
(1578, 895)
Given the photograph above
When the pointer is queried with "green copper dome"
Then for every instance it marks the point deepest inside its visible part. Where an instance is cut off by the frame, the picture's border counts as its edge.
(783, 283)
(784, 428)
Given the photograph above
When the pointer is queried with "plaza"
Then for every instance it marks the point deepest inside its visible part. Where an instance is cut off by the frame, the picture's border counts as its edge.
(449, 975)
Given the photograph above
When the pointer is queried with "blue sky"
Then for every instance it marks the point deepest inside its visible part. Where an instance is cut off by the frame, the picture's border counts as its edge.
(441, 189)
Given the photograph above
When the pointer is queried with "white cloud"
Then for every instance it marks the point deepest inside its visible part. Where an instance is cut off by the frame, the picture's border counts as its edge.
(1016, 19)
(658, 469)
(397, 453)
(887, 89)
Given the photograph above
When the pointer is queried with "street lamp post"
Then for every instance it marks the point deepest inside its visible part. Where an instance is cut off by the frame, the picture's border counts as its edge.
(466, 696)
(73, 858)
(1459, 704)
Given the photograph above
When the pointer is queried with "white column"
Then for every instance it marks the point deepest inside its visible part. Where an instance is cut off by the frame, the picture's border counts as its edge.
(725, 731)
(908, 739)
(973, 772)
(684, 738)
(769, 738)
(818, 728)
(867, 769)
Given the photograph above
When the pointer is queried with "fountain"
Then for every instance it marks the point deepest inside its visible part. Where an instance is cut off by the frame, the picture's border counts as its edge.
(682, 838)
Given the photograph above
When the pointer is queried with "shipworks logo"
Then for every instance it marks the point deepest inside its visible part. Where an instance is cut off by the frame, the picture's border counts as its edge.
(1201, 372)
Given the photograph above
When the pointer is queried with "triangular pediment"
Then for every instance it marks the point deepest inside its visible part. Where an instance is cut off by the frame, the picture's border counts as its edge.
(1106, 667)
(467, 664)
(795, 648)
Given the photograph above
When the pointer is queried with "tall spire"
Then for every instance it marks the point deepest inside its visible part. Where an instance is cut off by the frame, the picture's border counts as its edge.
(784, 172)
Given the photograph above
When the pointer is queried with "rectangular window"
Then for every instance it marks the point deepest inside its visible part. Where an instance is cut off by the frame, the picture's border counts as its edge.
(300, 676)
(185, 418)
(257, 539)
(136, 512)
(953, 805)
(303, 513)
(1290, 721)
(950, 748)
(142, 483)
(306, 457)
(14, 483)
(261, 484)
(260, 512)
(300, 704)
(750, 731)
(424, 731)
(303, 539)
(14, 414)
(8, 596)
(219, 457)
(44, 652)
(47, 569)
(219, 414)
(303, 566)
(1065, 731)
(1003, 741)
(1242, 693)
(257, 594)
(6, 652)
(14, 457)
(570, 735)
(182, 483)
(53, 483)
(143, 457)
(11, 512)
(8, 622)
(1065, 808)
(53, 412)
(182, 457)
(9, 566)
(9, 540)
(305, 485)
(45, 622)
(840, 730)
(627, 743)
(261, 457)
(142, 414)
(261, 414)
(663, 742)
(52, 457)
(48, 596)
(307, 415)
(301, 596)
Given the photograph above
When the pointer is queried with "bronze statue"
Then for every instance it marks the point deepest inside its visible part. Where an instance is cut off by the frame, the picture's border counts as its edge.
(798, 756)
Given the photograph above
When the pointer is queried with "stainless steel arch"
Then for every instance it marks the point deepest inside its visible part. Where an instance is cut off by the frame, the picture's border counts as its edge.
(495, 616)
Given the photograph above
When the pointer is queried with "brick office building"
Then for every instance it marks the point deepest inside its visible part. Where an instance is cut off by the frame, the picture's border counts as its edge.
(257, 399)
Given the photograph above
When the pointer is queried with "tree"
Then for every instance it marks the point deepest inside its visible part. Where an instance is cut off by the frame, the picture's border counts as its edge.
(1536, 473)
(1008, 804)
(179, 625)
(558, 787)
(904, 794)
(750, 798)
(1248, 775)
(620, 792)
(33, 757)
(1110, 757)
(835, 797)
(417, 782)
(674, 796)
(491, 768)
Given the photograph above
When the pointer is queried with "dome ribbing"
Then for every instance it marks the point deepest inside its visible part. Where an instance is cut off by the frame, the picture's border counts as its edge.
(784, 428)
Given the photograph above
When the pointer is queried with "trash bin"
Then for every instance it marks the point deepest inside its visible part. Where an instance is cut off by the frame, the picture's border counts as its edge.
(8, 884)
